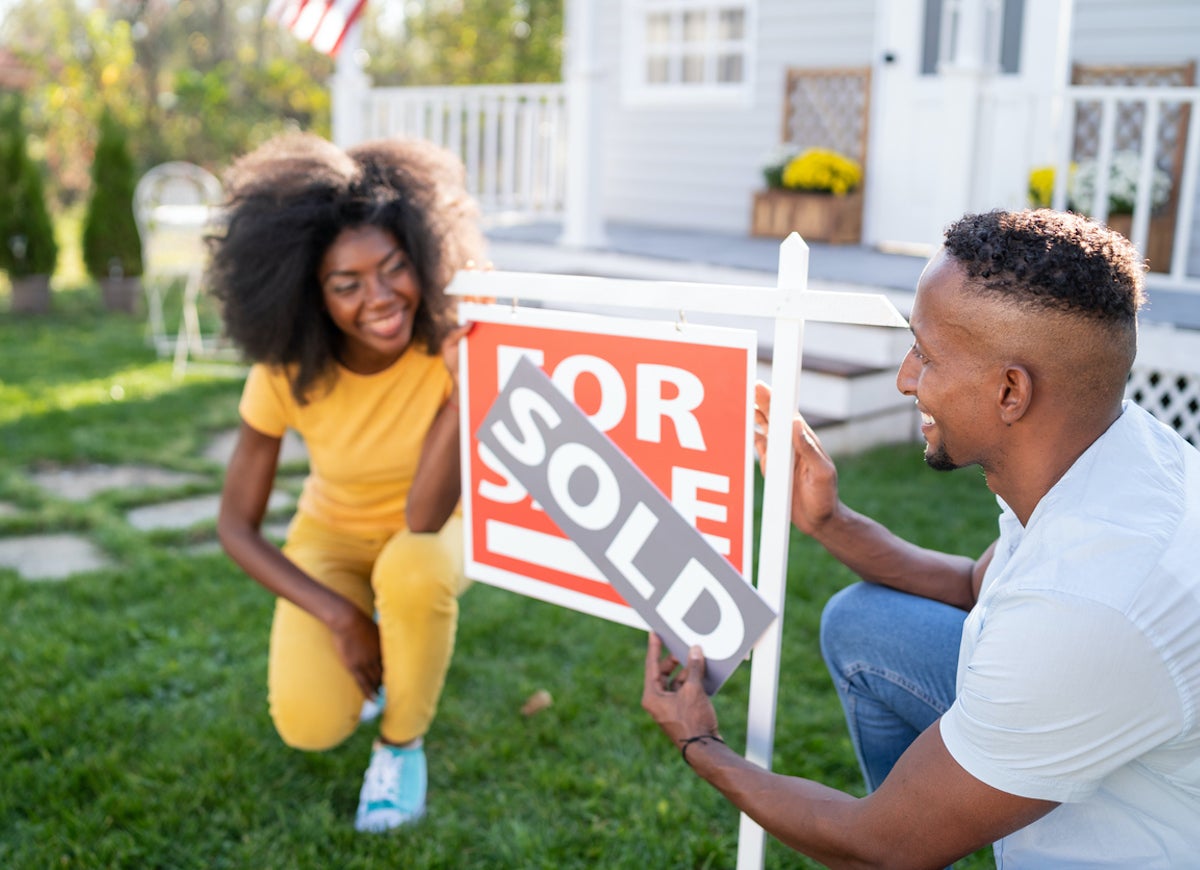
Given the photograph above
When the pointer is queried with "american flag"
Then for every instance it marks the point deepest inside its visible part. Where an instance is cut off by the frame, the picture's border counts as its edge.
(323, 24)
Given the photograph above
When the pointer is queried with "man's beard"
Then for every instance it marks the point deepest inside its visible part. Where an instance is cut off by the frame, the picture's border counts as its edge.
(939, 459)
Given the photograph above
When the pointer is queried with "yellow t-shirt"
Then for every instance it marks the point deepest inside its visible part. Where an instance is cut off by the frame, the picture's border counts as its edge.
(364, 435)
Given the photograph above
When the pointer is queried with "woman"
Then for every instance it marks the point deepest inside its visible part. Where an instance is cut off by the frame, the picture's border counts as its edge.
(331, 271)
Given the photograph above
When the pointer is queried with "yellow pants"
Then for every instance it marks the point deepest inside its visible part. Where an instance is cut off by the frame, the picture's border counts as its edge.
(412, 582)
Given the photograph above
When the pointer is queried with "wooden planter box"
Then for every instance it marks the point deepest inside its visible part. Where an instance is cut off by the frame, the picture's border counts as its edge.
(31, 294)
(817, 217)
(121, 294)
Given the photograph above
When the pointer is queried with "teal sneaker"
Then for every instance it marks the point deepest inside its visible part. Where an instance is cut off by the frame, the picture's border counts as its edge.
(393, 790)
(371, 709)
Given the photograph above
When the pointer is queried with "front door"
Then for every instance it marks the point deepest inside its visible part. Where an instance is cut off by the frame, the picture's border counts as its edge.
(940, 67)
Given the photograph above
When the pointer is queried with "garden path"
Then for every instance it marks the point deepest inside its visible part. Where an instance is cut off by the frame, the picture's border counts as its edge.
(54, 556)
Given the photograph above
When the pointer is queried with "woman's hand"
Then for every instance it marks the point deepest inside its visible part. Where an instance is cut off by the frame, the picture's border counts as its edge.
(450, 343)
(450, 349)
(356, 639)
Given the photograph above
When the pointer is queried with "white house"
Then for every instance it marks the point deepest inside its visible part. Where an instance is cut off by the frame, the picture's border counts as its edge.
(669, 107)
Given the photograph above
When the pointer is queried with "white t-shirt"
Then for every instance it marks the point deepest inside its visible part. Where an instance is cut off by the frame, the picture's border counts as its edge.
(1079, 670)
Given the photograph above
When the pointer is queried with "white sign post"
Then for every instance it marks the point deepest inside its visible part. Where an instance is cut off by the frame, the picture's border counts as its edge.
(789, 305)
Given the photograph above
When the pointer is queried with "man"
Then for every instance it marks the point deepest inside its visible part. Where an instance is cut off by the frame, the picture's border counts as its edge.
(1066, 732)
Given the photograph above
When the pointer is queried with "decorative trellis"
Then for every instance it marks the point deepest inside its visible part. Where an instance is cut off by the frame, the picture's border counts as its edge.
(1171, 135)
(1171, 396)
(1168, 139)
(828, 108)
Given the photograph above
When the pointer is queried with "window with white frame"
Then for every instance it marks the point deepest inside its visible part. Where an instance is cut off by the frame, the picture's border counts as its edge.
(694, 50)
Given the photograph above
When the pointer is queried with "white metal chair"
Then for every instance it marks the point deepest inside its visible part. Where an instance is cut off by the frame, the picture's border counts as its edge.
(175, 205)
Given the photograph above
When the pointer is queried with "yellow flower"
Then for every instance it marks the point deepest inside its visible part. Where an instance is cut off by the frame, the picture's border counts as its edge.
(822, 170)
(1041, 185)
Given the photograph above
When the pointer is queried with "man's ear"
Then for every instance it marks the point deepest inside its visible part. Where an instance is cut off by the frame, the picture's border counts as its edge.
(1016, 393)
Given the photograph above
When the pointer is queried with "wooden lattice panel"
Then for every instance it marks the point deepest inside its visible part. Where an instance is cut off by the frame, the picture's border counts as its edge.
(828, 108)
(1131, 116)
(1173, 397)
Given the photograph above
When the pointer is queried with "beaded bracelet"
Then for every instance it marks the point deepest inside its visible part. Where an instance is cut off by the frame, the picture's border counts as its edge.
(683, 746)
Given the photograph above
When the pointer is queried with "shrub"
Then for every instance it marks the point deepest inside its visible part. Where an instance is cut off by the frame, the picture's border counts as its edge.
(27, 244)
(775, 161)
(112, 245)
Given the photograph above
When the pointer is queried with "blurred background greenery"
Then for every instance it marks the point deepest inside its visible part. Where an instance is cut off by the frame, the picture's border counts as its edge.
(205, 80)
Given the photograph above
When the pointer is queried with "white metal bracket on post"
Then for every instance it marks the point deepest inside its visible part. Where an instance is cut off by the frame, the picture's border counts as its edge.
(789, 305)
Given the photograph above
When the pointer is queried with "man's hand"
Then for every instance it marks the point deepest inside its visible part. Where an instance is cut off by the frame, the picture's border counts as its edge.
(677, 700)
(814, 476)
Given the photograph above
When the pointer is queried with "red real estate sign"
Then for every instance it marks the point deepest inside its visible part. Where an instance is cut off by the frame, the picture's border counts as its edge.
(676, 400)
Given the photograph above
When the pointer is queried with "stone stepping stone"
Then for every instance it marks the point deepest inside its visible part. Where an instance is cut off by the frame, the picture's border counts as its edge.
(276, 531)
(204, 548)
(291, 451)
(185, 513)
(79, 483)
(50, 557)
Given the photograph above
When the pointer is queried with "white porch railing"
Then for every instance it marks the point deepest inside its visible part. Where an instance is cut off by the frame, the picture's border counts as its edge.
(513, 141)
(512, 138)
(1181, 269)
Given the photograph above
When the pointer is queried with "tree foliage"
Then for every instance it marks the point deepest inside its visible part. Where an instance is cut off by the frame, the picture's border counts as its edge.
(111, 242)
(27, 244)
(195, 80)
(462, 42)
(206, 80)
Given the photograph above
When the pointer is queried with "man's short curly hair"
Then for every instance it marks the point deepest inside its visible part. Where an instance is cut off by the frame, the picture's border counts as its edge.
(287, 202)
(1051, 260)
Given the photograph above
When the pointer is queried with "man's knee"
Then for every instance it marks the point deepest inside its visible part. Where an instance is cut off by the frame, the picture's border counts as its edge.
(841, 621)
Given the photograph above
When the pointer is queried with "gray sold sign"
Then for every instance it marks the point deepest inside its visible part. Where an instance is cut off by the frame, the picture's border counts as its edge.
(663, 567)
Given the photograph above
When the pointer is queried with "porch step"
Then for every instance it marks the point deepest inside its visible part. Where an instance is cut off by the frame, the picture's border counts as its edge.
(843, 389)
(852, 405)
(881, 346)
(842, 437)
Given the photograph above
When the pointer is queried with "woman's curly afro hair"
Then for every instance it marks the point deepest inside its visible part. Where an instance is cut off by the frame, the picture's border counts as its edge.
(287, 202)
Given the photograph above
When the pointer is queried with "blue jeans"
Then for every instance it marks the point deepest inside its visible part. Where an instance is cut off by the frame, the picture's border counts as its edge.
(893, 658)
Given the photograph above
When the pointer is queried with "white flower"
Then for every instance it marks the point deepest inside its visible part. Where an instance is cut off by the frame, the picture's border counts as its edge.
(1122, 185)
(780, 155)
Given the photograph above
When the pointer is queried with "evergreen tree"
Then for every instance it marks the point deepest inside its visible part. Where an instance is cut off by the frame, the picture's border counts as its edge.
(27, 244)
(112, 245)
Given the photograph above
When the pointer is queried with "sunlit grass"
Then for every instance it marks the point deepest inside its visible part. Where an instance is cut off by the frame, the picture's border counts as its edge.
(133, 384)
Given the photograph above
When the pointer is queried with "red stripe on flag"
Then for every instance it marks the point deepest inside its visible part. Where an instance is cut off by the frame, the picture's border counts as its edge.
(340, 36)
(323, 24)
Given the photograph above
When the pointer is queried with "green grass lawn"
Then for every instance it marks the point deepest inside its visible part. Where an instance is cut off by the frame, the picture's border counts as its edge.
(134, 730)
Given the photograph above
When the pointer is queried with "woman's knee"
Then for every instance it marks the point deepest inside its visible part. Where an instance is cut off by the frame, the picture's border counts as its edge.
(312, 727)
(417, 569)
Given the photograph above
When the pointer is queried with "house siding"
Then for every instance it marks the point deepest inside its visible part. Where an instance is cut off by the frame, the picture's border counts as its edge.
(697, 167)
(1141, 32)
